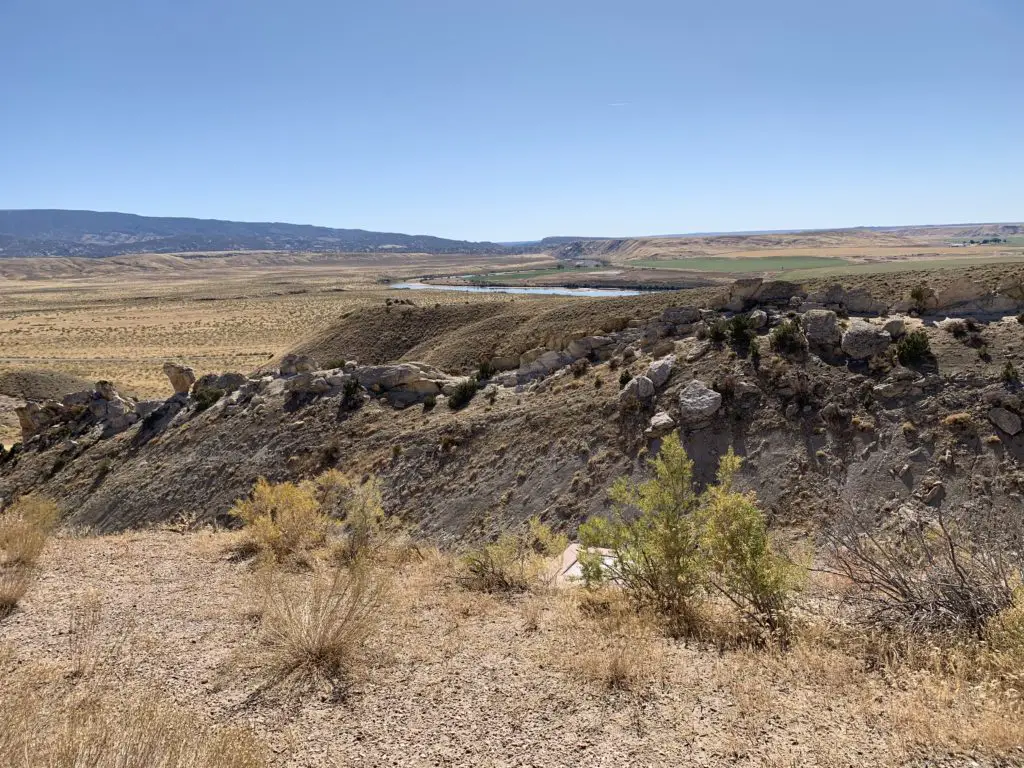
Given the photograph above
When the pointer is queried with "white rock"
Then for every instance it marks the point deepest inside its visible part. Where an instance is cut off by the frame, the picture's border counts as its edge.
(659, 371)
(660, 424)
(895, 326)
(639, 389)
(863, 340)
(821, 327)
(698, 403)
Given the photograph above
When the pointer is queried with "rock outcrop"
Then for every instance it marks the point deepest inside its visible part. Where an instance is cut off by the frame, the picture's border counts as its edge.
(660, 370)
(821, 328)
(638, 391)
(863, 340)
(295, 364)
(225, 383)
(698, 404)
(1006, 420)
(660, 425)
(181, 376)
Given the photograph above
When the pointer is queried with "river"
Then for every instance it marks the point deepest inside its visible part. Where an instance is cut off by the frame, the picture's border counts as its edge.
(544, 291)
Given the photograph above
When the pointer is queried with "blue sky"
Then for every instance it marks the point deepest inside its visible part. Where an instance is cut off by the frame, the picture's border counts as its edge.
(512, 120)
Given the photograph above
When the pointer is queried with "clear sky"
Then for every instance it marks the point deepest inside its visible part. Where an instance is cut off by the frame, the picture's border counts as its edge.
(516, 119)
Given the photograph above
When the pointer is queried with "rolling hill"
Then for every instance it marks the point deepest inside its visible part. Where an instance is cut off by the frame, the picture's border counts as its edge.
(95, 234)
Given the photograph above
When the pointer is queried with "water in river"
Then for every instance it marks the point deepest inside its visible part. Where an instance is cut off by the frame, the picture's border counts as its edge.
(546, 291)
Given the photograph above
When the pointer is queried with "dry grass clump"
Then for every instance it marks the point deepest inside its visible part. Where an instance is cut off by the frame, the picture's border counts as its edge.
(314, 632)
(960, 420)
(285, 522)
(607, 643)
(44, 723)
(24, 528)
(282, 521)
(516, 562)
(14, 583)
(367, 533)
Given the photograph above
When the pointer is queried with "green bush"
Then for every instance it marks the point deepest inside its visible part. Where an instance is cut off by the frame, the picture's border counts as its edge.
(675, 548)
(485, 370)
(913, 348)
(787, 338)
(624, 378)
(718, 331)
(464, 392)
(741, 330)
(207, 397)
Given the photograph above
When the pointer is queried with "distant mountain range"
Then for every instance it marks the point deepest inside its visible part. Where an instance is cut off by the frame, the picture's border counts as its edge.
(94, 234)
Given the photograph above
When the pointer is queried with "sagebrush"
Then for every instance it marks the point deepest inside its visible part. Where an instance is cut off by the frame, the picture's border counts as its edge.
(673, 548)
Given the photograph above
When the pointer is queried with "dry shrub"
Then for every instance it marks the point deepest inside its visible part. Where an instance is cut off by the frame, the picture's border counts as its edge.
(516, 562)
(282, 520)
(45, 724)
(958, 421)
(369, 534)
(938, 571)
(14, 583)
(314, 631)
(94, 647)
(24, 528)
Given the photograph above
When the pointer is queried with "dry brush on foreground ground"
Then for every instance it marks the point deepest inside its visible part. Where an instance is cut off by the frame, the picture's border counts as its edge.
(176, 648)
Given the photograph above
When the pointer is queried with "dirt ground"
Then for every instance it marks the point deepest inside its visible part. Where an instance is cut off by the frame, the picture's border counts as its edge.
(460, 678)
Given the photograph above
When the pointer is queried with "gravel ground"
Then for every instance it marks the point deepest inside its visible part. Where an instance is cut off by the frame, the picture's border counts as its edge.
(459, 678)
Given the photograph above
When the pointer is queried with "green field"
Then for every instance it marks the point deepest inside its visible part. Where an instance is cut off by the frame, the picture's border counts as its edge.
(733, 265)
(527, 274)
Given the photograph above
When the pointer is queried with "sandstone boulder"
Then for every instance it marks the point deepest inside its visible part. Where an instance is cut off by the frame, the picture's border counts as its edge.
(660, 425)
(698, 403)
(861, 302)
(144, 408)
(821, 327)
(181, 376)
(659, 371)
(680, 316)
(1007, 421)
(105, 389)
(77, 398)
(1012, 288)
(308, 383)
(386, 377)
(863, 340)
(223, 382)
(546, 363)
(758, 319)
(778, 292)
(294, 364)
(33, 419)
(587, 345)
(638, 391)
(895, 326)
(741, 293)
(959, 292)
